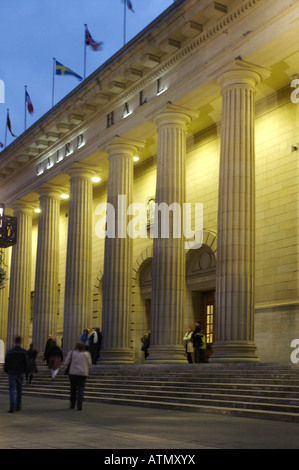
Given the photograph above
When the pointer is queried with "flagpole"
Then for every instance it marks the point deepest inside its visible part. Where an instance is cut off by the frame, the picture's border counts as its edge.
(53, 84)
(85, 26)
(25, 109)
(6, 129)
(125, 20)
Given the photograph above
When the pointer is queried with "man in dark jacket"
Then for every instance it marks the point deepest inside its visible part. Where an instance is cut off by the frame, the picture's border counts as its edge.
(196, 338)
(16, 364)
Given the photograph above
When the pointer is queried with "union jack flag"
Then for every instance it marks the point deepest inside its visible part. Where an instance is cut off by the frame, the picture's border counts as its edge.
(89, 41)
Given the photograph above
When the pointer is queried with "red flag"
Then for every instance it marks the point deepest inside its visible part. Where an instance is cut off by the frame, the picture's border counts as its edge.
(28, 102)
(1, 145)
(89, 41)
(130, 6)
(8, 123)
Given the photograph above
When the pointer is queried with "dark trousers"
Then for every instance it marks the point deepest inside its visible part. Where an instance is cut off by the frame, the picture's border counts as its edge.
(93, 349)
(15, 382)
(199, 355)
(189, 357)
(77, 383)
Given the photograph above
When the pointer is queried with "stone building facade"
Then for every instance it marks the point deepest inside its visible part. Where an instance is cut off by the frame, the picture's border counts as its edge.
(199, 109)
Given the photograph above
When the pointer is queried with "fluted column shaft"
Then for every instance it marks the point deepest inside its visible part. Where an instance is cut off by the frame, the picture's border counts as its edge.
(77, 303)
(20, 277)
(118, 256)
(235, 280)
(47, 268)
(168, 269)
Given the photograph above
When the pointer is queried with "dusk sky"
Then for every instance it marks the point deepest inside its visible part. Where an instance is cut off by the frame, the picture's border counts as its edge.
(33, 32)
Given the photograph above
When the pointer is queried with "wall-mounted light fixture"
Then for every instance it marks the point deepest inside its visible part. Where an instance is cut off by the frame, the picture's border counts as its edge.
(8, 229)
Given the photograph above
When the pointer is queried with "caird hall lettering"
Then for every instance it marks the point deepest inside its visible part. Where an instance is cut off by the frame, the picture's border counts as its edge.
(60, 155)
(127, 109)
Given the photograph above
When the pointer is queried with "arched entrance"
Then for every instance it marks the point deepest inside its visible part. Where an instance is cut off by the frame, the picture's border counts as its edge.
(201, 287)
(141, 300)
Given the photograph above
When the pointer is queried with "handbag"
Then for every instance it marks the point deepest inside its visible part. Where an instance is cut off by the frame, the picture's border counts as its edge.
(67, 369)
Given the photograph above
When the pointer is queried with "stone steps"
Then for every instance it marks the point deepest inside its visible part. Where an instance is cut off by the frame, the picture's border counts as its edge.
(259, 392)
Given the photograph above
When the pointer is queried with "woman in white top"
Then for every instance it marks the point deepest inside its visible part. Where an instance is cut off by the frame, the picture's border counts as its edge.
(188, 344)
(80, 362)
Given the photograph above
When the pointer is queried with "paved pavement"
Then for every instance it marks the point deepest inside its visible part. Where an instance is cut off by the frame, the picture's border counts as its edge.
(45, 423)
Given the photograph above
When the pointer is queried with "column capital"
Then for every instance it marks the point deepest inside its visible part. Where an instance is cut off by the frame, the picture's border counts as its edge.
(82, 170)
(241, 73)
(121, 145)
(23, 206)
(51, 190)
(172, 115)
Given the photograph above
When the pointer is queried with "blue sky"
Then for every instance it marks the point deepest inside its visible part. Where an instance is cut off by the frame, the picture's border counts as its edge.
(33, 32)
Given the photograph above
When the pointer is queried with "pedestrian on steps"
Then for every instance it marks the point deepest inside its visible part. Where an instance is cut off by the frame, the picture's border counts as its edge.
(32, 369)
(55, 358)
(15, 365)
(80, 363)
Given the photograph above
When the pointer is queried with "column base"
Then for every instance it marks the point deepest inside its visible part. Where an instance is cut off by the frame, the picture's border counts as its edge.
(171, 354)
(234, 351)
(116, 356)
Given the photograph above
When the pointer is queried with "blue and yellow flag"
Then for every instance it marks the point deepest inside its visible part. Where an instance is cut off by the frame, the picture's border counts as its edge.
(62, 70)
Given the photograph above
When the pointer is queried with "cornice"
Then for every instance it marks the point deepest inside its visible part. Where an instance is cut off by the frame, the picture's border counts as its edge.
(96, 80)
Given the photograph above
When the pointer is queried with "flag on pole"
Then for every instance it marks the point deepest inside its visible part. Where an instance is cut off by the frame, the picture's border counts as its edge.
(62, 70)
(1, 145)
(8, 124)
(28, 102)
(89, 41)
(130, 6)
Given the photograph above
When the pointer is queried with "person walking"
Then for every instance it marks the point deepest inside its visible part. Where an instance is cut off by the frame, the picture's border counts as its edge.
(93, 345)
(47, 349)
(188, 344)
(32, 369)
(55, 358)
(80, 363)
(15, 365)
(85, 337)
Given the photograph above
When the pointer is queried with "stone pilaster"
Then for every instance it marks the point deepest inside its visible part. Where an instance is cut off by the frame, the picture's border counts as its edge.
(118, 255)
(4, 292)
(47, 270)
(168, 271)
(77, 303)
(235, 278)
(20, 277)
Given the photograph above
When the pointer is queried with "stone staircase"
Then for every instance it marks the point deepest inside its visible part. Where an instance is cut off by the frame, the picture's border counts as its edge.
(264, 391)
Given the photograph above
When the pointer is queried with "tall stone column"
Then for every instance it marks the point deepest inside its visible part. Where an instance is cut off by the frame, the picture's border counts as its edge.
(77, 303)
(47, 269)
(118, 255)
(20, 276)
(235, 278)
(168, 269)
